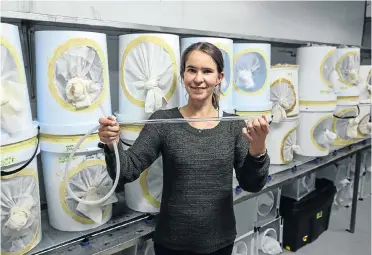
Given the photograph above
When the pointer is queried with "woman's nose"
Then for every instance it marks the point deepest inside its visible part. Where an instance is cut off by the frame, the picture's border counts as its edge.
(199, 77)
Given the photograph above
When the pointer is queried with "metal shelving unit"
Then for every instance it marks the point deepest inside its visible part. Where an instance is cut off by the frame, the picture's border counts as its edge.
(128, 228)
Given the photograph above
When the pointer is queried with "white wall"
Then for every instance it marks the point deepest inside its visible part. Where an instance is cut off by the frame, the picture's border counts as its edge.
(338, 22)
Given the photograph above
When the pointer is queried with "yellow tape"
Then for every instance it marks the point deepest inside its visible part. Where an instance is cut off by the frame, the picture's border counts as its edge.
(263, 54)
(339, 65)
(312, 135)
(146, 191)
(282, 159)
(228, 51)
(67, 139)
(131, 128)
(321, 68)
(63, 190)
(4, 42)
(291, 87)
(317, 103)
(18, 146)
(31, 172)
(136, 42)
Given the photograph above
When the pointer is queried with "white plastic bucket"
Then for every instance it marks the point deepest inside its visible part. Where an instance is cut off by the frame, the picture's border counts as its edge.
(20, 196)
(364, 126)
(149, 74)
(251, 76)
(365, 84)
(314, 134)
(72, 81)
(226, 48)
(282, 142)
(345, 125)
(316, 73)
(347, 68)
(16, 117)
(145, 193)
(284, 91)
(88, 177)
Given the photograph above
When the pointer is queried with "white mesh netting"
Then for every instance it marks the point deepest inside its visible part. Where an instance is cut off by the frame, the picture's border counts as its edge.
(283, 97)
(365, 125)
(148, 74)
(322, 135)
(91, 183)
(152, 182)
(79, 76)
(329, 70)
(346, 128)
(250, 72)
(348, 68)
(12, 94)
(20, 213)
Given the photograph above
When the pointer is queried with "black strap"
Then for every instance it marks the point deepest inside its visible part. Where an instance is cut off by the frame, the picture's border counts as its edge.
(127, 144)
(5, 173)
(348, 117)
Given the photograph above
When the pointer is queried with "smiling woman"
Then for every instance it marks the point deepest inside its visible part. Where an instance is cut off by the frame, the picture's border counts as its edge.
(196, 210)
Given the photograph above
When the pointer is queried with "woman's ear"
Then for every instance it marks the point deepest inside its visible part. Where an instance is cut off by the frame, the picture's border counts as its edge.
(220, 77)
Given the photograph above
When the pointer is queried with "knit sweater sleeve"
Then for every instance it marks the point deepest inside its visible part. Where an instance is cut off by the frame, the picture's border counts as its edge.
(251, 172)
(144, 151)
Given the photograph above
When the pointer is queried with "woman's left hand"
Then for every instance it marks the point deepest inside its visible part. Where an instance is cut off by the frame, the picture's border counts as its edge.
(256, 132)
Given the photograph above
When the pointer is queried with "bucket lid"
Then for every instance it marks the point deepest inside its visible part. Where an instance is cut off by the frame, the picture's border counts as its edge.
(348, 100)
(285, 66)
(66, 144)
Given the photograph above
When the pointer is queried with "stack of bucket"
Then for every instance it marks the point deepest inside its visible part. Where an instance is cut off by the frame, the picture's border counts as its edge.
(251, 88)
(73, 93)
(347, 114)
(20, 200)
(317, 99)
(149, 81)
(282, 140)
(364, 127)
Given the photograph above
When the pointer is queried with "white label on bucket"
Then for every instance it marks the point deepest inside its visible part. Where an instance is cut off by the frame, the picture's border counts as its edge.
(8, 161)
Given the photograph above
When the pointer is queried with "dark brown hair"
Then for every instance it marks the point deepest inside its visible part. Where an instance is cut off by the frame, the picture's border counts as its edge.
(215, 54)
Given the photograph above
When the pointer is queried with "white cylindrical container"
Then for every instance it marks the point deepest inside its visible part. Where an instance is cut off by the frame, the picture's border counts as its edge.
(226, 47)
(143, 194)
(316, 73)
(88, 179)
(72, 81)
(251, 76)
(282, 142)
(16, 117)
(314, 134)
(284, 91)
(347, 68)
(20, 199)
(149, 74)
(346, 118)
(364, 127)
(365, 84)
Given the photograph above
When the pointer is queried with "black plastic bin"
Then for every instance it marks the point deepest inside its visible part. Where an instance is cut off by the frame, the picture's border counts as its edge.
(305, 220)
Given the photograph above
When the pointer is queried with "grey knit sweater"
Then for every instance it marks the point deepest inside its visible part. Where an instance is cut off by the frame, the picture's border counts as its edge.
(196, 212)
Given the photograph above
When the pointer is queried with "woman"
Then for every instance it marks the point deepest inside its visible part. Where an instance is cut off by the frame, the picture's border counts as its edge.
(196, 214)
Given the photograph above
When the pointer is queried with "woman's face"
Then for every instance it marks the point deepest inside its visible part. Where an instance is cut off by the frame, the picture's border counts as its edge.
(201, 76)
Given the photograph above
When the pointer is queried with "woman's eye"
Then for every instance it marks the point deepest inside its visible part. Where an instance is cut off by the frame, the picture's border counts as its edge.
(191, 70)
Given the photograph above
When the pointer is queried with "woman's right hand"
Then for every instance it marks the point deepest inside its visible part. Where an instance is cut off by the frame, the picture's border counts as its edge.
(109, 133)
